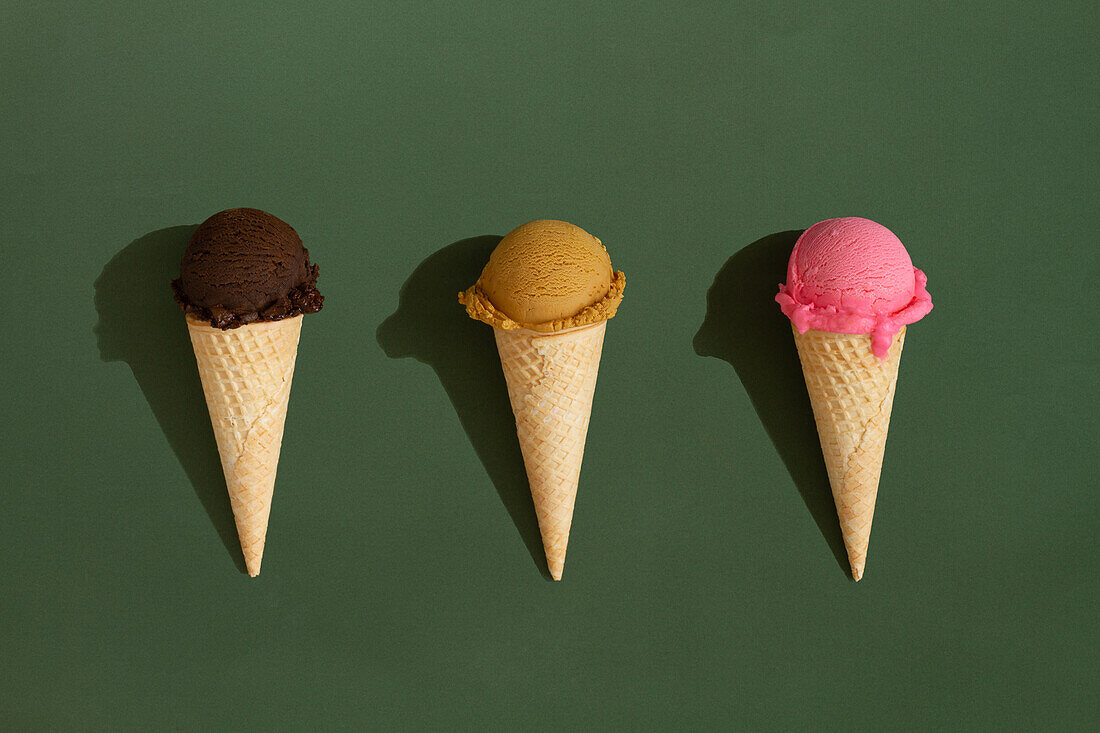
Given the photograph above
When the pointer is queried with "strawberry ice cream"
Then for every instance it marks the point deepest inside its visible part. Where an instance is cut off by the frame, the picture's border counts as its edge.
(852, 275)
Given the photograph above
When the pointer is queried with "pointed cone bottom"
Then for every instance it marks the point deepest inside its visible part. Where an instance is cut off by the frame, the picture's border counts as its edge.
(551, 379)
(852, 393)
(246, 374)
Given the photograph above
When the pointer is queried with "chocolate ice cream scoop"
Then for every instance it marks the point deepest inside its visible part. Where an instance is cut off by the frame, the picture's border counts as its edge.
(243, 266)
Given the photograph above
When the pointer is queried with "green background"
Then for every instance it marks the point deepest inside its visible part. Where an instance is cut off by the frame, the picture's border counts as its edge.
(403, 585)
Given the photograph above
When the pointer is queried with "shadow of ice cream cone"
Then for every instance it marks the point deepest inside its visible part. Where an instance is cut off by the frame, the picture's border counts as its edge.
(745, 327)
(431, 327)
(140, 324)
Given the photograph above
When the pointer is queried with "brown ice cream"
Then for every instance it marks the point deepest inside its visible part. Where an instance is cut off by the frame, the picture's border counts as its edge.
(546, 275)
(243, 266)
(548, 291)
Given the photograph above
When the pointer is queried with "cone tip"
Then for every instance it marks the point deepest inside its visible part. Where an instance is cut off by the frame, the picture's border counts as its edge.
(857, 573)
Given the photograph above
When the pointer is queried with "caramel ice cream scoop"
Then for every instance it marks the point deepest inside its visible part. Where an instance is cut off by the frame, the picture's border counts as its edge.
(546, 275)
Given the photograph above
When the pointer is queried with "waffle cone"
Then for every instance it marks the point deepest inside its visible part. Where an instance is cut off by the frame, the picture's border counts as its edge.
(852, 394)
(246, 374)
(551, 380)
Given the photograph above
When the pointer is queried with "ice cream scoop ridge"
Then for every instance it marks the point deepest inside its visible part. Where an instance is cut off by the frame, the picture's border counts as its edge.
(546, 276)
(852, 275)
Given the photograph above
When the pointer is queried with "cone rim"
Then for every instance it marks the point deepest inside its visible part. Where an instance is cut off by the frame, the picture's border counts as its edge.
(195, 321)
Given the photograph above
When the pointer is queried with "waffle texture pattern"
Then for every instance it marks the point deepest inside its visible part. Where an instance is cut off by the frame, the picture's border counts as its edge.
(246, 374)
(852, 394)
(551, 381)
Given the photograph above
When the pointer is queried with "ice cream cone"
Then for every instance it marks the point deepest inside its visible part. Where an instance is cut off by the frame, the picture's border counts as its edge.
(246, 374)
(852, 393)
(551, 380)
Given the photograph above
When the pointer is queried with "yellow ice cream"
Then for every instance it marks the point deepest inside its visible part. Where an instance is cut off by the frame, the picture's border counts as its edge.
(546, 275)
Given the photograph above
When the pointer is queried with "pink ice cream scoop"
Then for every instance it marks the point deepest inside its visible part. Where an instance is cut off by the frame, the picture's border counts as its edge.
(852, 275)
